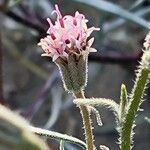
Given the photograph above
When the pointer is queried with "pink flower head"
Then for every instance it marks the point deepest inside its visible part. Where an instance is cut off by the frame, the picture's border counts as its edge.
(68, 34)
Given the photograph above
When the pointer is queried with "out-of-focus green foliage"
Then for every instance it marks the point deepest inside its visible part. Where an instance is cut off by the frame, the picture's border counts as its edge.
(15, 133)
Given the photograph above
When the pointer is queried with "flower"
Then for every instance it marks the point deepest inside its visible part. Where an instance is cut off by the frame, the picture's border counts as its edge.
(69, 34)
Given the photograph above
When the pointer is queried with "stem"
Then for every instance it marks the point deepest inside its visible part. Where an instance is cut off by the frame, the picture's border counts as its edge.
(86, 122)
(127, 133)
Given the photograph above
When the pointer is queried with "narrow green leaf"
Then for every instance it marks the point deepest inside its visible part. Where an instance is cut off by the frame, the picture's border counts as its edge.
(97, 114)
(116, 10)
(14, 133)
(123, 103)
(58, 136)
(99, 102)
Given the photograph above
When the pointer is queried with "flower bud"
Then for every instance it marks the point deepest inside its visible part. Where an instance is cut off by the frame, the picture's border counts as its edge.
(73, 72)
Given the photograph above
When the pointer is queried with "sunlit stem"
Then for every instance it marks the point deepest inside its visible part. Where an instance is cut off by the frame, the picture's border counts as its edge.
(137, 93)
(86, 122)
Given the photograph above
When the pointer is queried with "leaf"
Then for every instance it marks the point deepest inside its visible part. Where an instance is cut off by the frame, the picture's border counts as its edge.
(116, 10)
(108, 103)
(123, 103)
(58, 136)
(97, 114)
(116, 23)
(14, 133)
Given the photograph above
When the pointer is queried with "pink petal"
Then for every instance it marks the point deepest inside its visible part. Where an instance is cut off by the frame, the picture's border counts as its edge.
(57, 11)
(50, 22)
(90, 30)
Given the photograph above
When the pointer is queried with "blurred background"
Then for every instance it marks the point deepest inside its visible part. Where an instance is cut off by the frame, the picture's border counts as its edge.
(31, 84)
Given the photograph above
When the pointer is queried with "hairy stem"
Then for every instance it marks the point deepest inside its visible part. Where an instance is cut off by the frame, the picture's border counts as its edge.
(137, 93)
(86, 122)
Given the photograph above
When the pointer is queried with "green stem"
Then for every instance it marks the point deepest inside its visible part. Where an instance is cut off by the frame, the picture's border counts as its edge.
(137, 93)
(86, 122)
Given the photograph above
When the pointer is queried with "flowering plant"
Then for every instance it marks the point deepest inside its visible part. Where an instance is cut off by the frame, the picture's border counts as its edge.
(69, 45)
